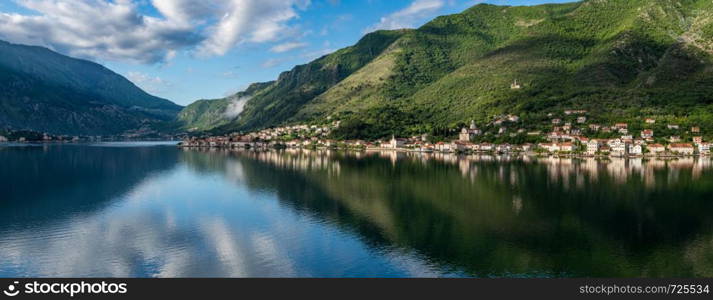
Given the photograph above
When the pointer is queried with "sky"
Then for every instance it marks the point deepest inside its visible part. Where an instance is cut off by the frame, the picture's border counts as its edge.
(185, 50)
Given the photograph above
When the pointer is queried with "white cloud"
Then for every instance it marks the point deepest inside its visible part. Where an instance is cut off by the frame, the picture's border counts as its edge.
(289, 46)
(151, 84)
(409, 16)
(118, 30)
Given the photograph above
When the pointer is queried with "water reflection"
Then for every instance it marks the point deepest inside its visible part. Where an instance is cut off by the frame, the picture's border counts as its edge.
(160, 211)
(508, 216)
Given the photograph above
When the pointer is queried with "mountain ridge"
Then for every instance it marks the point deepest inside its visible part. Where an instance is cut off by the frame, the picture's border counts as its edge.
(50, 92)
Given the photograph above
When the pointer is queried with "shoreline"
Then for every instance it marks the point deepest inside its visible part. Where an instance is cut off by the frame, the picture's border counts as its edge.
(458, 153)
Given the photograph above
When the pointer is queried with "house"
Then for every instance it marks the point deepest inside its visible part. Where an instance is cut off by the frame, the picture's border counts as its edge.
(582, 120)
(513, 118)
(674, 139)
(595, 127)
(618, 147)
(697, 140)
(685, 149)
(567, 147)
(647, 133)
(704, 148)
(486, 147)
(695, 130)
(556, 121)
(621, 126)
(549, 147)
(593, 147)
(443, 147)
(526, 147)
(650, 121)
(672, 126)
(656, 148)
(635, 150)
(3, 139)
(459, 146)
(503, 148)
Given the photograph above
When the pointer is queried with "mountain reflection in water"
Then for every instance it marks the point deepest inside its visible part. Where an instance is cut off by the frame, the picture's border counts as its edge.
(161, 211)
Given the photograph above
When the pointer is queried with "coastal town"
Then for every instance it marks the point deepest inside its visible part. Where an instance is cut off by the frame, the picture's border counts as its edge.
(571, 135)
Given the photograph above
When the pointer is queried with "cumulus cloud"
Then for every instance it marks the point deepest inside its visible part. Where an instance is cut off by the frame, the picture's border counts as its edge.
(409, 16)
(235, 107)
(118, 30)
(289, 46)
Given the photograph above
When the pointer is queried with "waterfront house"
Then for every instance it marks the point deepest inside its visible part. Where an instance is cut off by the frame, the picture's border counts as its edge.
(647, 133)
(685, 149)
(3, 139)
(486, 147)
(567, 147)
(656, 148)
(635, 150)
(473, 147)
(593, 146)
(504, 148)
(459, 146)
(549, 147)
(618, 147)
(704, 148)
(697, 140)
(443, 147)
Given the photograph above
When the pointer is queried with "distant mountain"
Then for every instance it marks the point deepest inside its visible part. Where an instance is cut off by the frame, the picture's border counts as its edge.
(621, 60)
(45, 91)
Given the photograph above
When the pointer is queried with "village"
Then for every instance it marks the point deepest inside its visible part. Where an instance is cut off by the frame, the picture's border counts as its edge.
(564, 139)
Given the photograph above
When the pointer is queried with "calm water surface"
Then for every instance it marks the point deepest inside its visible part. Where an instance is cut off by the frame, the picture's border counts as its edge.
(152, 210)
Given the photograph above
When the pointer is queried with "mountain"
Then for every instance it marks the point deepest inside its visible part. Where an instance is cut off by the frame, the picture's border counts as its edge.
(49, 92)
(621, 60)
(205, 114)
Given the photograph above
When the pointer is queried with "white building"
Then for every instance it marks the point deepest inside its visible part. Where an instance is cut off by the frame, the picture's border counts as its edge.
(593, 146)
(636, 150)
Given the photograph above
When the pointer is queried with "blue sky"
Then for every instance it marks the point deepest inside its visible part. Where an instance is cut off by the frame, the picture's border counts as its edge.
(185, 50)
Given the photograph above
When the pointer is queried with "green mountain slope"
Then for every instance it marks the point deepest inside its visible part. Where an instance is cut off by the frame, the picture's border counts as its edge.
(205, 115)
(619, 59)
(46, 91)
